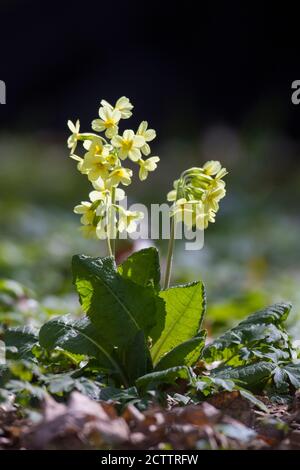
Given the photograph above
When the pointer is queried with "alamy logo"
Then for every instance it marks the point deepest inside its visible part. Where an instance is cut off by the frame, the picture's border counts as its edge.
(2, 92)
(296, 94)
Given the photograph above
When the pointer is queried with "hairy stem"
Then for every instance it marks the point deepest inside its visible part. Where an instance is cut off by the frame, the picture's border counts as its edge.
(110, 253)
(170, 255)
(113, 201)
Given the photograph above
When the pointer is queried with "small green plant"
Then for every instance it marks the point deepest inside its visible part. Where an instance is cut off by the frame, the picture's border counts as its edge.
(134, 336)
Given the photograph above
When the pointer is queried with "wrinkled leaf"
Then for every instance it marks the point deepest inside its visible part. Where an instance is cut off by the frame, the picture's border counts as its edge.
(185, 306)
(260, 335)
(292, 371)
(79, 337)
(118, 308)
(254, 400)
(185, 354)
(137, 358)
(253, 376)
(167, 376)
(19, 342)
(142, 268)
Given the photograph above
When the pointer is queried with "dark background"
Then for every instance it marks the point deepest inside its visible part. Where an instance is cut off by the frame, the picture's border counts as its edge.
(189, 64)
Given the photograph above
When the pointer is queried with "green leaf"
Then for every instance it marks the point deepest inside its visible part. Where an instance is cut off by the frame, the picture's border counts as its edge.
(19, 342)
(185, 354)
(168, 376)
(208, 385)
(137, 358)
(118, 307)
(59, 384)
(79, 337)
(18, 386)
(253, 376)
(142, 268)
(261, 335)
(118, 395)
(280, 380)
(276, 314)
(292, 370)
(185, 306)
(253, 399)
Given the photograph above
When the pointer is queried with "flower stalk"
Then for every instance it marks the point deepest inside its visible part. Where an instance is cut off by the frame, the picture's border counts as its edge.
(170, 255)
(195, 198)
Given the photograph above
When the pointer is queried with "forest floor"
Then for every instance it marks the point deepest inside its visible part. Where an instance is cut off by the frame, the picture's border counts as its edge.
(225, 421)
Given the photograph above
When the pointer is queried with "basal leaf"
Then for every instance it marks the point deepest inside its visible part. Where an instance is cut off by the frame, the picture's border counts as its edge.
(292, 370)
(142, 268)
(118, 395)
(19, 342)
(253, 376)
(59, 384)
(24, 390)
(168, 376)
(185, 354)
(118, 307)
(276, 314)
(253, 399)
(260, 335)
(185, 306)
(79, 337)
(137, 358)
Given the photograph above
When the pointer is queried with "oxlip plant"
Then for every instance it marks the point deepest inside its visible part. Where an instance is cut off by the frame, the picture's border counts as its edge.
(136, 337)
(195, 196)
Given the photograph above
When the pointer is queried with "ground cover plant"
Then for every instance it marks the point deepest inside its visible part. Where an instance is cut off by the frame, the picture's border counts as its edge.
(139, 343)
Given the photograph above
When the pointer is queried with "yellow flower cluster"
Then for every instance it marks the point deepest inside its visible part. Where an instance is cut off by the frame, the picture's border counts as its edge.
(102, 163)
(197, 193)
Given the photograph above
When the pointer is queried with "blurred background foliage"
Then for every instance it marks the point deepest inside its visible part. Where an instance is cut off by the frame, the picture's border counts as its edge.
(215, 85)
(250, 256)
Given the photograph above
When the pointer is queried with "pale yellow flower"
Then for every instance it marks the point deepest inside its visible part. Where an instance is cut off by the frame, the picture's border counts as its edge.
(123, 105)
(107, 226)
(102, 195)
(95, 146)
(102, 215)
(203, 186)
(212, 197)
(148, 134)
(223, 172)
(129, 145)
(73, 139)
(128, 220)
(79, 164)
(113, 161)
(212, 167)
(87, 211)
(108, 122)
(172, 195)
(146, 166)
(191, 213)
(99, 184)
(120, 175)
(96, 165)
